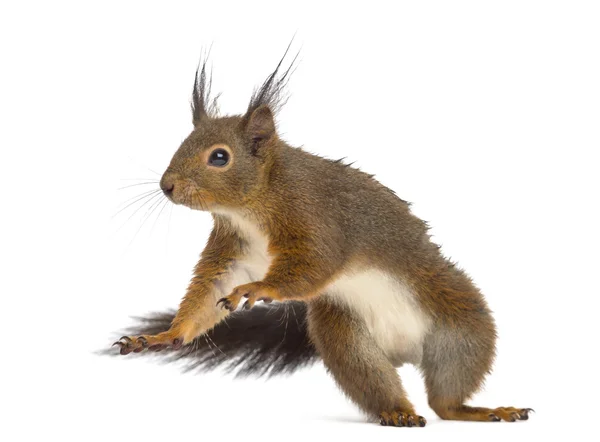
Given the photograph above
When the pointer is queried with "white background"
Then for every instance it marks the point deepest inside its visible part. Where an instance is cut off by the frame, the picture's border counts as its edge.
(484, 114)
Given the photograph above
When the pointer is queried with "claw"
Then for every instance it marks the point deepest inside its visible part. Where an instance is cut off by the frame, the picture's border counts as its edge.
(143, 341)
(226, 303)
(125, 350)
(177, 343)
(401, 419)
(493, 417)
(524, 414)
(123, 342)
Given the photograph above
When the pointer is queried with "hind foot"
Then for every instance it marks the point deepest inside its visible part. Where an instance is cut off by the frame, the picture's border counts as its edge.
(510, 414)
(480, 414)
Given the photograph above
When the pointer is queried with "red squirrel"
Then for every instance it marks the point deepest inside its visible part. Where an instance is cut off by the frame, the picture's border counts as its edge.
(351, 269)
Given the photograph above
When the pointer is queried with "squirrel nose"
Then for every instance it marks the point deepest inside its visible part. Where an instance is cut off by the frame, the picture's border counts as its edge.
(168, 188)
(167, 185)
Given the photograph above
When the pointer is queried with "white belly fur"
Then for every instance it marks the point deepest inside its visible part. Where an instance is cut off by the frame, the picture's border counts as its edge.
(389, 310)
(387, 306)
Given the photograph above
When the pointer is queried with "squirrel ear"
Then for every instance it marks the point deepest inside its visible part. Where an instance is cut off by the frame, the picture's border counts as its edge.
(261, 124)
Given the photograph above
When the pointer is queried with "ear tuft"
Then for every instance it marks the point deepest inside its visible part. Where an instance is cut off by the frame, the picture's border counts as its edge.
(203, 104)
(261, 125)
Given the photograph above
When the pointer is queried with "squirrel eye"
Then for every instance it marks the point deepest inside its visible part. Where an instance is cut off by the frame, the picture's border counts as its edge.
(218, 158)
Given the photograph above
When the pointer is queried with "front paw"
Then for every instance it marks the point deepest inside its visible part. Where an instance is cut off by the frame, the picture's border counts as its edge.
(254, 291)
(161, 341)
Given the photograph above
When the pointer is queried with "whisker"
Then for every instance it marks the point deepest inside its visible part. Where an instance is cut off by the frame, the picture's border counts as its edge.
(138, 184)
(149, 212)
(287, 320)
(209, 346)
(166, 200)
(200, 199)
(169, 229)
(144, 195)
(295, 316)
(145, 192)
(133, 160)
(191, 197)
(152, 198)
(152, 208)
(214, 343)
(149, 199)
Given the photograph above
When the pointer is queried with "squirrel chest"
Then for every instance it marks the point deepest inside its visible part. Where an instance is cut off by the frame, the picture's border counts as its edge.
(255, 263)
(386, 305)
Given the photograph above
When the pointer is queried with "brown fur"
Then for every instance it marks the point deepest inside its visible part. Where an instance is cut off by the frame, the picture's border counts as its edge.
(321, 218)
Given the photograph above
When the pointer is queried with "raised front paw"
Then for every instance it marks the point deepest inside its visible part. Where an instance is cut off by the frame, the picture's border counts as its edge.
(401, 419)
(158, 342)
(254, 291)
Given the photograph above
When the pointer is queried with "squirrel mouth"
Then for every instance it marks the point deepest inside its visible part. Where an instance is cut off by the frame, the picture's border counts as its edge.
(190, 196)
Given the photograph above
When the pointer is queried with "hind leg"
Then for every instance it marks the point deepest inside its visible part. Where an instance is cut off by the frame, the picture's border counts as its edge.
(454, 364)
(358, 365)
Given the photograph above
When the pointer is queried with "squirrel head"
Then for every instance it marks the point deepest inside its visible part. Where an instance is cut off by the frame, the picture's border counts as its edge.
(225, 159)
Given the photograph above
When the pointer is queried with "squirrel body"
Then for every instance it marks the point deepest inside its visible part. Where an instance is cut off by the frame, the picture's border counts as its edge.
(370, 291)
(392, 311)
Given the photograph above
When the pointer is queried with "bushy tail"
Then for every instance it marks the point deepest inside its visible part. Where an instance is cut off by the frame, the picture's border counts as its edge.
(268, 339)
